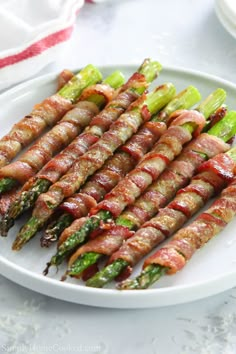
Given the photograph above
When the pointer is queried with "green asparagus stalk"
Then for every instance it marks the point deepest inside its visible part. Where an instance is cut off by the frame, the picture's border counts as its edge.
(154, 102)
(27, 198)
(147, 277)
(184, 100)
(86, 77)
(101, 278)
(212, 102)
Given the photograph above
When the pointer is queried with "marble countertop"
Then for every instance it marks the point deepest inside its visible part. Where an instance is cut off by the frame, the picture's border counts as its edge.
(182, 33)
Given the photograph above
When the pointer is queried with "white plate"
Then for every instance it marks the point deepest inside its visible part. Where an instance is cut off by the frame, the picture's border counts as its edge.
(226, 13)
(209, 272)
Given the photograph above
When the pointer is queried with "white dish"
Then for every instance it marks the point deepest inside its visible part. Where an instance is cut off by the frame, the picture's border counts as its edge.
(210, 271)
(226, 13)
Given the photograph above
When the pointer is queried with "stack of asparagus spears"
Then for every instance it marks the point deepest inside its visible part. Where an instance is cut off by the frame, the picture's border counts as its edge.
(122, 155)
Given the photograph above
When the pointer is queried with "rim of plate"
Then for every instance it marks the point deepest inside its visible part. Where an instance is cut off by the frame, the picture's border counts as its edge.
(118, 299)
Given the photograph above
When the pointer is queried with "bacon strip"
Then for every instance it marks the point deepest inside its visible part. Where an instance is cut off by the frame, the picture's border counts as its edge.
(149, 169)
(194, 236)
(73, 227)
(90, 162)
(7, 199)
(113, 170)
(176, 176)
(59, 136)
(106, 244)
(46, 113)
(64, 77)
(170, 219)
(61, 163)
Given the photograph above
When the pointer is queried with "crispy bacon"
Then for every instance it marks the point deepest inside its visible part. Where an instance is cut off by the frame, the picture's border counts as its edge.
(176, 176)
(78, 205)
(114, 169)
(147, 171)
(190, 117)
(61, 163)
(108, 243)
(217, 116)
(64, 77)
(7, 199)
(59, 136)
(208, 144)
(105, 91)
(138, 245)
(172, 217)
(87, 164)
(47, 113)
(195, 235)
(222, 166)
(167, 257)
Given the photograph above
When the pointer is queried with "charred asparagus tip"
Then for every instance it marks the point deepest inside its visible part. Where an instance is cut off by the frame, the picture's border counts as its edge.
(5, 224)
(46, 270)
(55, 229)
(26, 233)
(47, 239)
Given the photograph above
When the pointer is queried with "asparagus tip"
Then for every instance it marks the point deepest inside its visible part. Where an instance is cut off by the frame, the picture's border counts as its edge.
(46, 270)
(5, 225)
(17, 244)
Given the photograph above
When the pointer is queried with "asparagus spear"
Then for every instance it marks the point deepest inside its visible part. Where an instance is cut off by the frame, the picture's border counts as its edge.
(104, 276)
(153, 272)
(75, 240)
(27, 198)
(184, 100)
(153, 102)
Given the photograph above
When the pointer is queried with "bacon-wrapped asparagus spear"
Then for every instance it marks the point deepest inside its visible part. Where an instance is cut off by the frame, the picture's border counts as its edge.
(46, 113)
(92, 100)
(164, 189)
(179, 172)
(213, 175)
(176, 253)
(117, 166)
(87, 164)
(61, 163)
(169, 145)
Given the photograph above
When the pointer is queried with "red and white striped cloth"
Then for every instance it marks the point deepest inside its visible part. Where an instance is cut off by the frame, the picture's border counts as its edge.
(32, 34)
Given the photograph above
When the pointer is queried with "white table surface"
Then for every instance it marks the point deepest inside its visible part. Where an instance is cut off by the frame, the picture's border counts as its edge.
(183, 33)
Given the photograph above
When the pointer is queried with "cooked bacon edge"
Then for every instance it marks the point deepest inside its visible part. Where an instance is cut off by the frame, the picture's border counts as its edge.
(187, 240)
